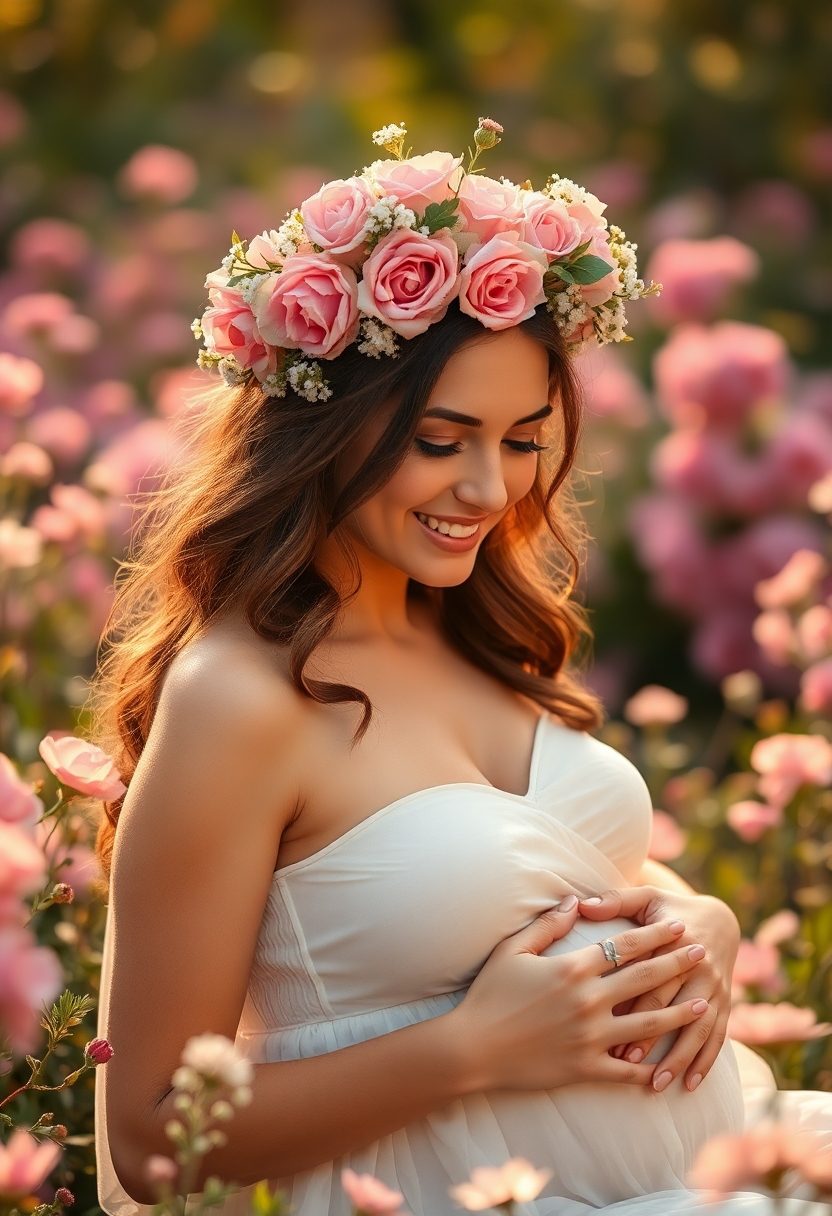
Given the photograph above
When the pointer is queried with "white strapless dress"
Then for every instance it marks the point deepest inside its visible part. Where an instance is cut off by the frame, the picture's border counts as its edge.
(390, 923)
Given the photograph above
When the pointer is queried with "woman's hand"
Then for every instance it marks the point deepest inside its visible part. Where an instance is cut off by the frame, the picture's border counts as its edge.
(709, 921)
(529, 1022)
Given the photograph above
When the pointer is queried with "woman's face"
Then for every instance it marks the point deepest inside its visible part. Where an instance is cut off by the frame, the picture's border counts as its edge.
(470, 468)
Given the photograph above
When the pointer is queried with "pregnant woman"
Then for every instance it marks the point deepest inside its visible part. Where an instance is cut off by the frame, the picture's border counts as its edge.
(362, 789)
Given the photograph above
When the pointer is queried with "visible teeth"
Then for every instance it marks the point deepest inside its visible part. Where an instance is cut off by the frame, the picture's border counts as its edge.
(441, 525)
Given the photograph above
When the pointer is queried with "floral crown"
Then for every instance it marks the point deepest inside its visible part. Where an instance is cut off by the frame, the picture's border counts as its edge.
(380, 256)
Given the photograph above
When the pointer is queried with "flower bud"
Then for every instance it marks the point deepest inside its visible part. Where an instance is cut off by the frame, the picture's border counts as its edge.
(59, 1131)
(64, 1197)
(62, 893)
(99, 1051)
(222, 1111)
(160, 1169)
(487, 134)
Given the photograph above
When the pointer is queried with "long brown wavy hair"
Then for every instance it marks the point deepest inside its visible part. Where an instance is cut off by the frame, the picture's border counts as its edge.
(237, 522)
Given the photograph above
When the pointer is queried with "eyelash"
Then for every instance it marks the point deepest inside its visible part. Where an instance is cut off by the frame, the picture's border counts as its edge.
(450, 449)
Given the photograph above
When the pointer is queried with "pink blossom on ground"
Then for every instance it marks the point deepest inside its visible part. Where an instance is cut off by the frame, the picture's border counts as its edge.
(794, 582)
(787, 761)
(816, 687)
(773, 631)
(654, 705)
(50, 245)
(18, 803)
(20, 381)
(719, 375)
(159, 172)
(25, 1163)
(82, 766)
(491, 1186)
(779, 1023)
(778, 928)
(668, 840)
(30, 976)
(750, 819)
(28, 462)
(368, 1194)
(814, 631)
(754, 1157)
(697, 277)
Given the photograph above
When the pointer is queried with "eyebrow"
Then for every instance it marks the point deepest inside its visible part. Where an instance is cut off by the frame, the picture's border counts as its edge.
(440, 411)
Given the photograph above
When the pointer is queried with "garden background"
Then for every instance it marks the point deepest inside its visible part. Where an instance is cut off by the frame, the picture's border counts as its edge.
(133, 138)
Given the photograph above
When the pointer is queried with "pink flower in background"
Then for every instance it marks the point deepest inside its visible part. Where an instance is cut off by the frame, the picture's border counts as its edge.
(775, 211)
(82, 766)
(719, 375)
(230, 328)
(711, 470)
(796, 580)
(548, 224)
(492, 1186)
(20, 547)
(18, 802)
(778, 928)
(654, 705)
(418, 180)
(779, 1023)
(501, 282)
(22, 866)
(774, 633)
(49, 245)
(670, 544)
(817, 152)
(786, 762)
(30, 976)
(336, 216)
(37, 313)
(28, 462)
(159, 172)
(750, 1159)
(816, 687)
(799, 455)
(611, 387)
(491, 208)
(13, 119)
(20, 381)
(697, 277)
(667, 840)
(63, 432)
(311, 305)
(25, 1163)
(758, 963)
(368, 1194)
(814, 631)
(750, 819)
(409, 280)
(819, 497)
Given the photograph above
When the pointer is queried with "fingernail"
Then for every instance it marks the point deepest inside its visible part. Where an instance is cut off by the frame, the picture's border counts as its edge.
(699, 1006)
(696, 952)
(694, 1081)
(636, 1055)
(676, 926)
(568, 903)
(593, 899)
(661, 1081)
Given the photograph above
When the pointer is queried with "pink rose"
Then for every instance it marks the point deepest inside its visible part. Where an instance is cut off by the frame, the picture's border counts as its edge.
(549, 225)
(654, 705)
(750, 819)
(30, 975)
(779, 1023)
(334, 218)
(20, 381)
(262, 251)
(490, 208)
(409, 280)
(22, 867)
(18, 804)
(816, 687)
(788, 761)
(310, 305)
(25, 1163)
(367, 1194)
(501, 282)
(796, 580)
(419, 180)
(698, 275)
(599, 247)
(667, 839)
(230, 328)
(82, 766)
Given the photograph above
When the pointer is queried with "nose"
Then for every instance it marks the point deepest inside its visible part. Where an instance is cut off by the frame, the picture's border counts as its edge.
(483, 485)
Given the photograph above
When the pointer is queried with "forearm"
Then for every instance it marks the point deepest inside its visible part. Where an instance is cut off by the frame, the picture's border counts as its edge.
(654, 874)
(305, 1112)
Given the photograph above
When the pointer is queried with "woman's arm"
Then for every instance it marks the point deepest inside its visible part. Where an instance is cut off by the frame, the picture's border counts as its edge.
(654, 874)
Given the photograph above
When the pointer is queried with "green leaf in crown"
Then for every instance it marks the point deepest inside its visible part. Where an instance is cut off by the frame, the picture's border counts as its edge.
(589, 269)
(439, 215)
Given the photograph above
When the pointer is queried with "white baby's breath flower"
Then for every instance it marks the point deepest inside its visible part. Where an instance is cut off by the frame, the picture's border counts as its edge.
(377, 340)
(227, 263)
(274, 385)
(207, 360)
(196, 328)
(216, 1058)
(242, 1095)
(308, 382)
(251, 282)
(231, 371)
(393, 130)
(567, 191)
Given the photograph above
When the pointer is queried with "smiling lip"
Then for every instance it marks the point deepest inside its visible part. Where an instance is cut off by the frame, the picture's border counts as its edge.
(455, 519)
(451, 544)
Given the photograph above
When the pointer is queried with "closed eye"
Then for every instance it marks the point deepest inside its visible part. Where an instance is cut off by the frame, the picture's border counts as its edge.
(450, 449)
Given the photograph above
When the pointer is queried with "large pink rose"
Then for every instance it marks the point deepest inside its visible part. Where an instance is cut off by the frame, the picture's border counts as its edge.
(82, 766)
(18, 803)
(334, 218)
(409, 280)
(501, 282)
(419, 180)
(489, 208)
(549, 225)
(310, 306)
(230, 328)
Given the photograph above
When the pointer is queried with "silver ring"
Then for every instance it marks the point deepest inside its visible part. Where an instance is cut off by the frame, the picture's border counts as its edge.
(610, 952)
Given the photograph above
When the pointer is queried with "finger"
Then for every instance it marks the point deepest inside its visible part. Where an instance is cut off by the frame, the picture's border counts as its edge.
(631, 944)
(660, 1021)
(621, 1072)
(646, 974)
(688, 1044)
(704, 1061)
(551, 925)
(637, 903)
(659, 998)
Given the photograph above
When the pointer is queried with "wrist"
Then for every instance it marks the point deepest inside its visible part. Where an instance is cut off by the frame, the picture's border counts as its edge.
(462, 1050)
